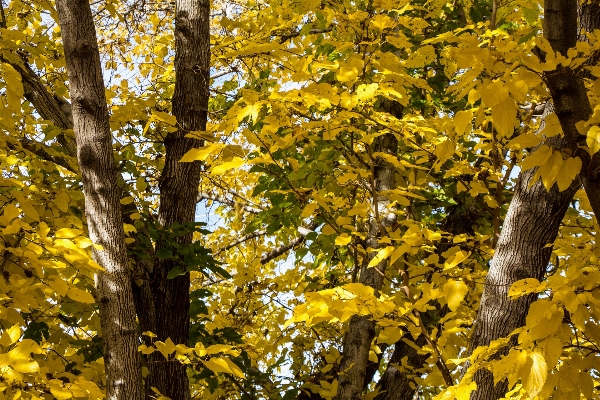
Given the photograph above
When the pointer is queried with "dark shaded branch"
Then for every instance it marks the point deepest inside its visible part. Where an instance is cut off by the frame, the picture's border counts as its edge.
(278, 251)
(284, 38)
(46, 153)
(592, 189)
(249, 236)
(229, 202)
(48, 105)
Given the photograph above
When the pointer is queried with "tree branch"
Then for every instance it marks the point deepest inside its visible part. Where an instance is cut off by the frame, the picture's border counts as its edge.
(45, 152)
(230, 203)
(48, 105)
(284, 38)
(278, 251)
(249, 236)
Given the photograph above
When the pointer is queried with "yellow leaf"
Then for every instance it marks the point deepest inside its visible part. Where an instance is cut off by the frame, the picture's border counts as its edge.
(67, 233)
(128, 228)
(14, 91)
(26, 206)
(568, 172)
(235, 163)
(552, 347)
(537, 158)
(373, 356)
(235, 370)
(456, 259)
(505, 115)
(140, 184)
(218, 348)
(526, 141)
(455, 292)
(399, 252)
(166, 348)
(551, 126)
(463, 391)
(25, 366)
(443, 152)
(328, 230)
(423, 56)
(164, 117)
(518, 89)
(23, 350)
(343, 239)
(14, 332)
(80, 296)
(350, 70)
(522, 287)
(389, 335)
(381, 255)
(549, 171)
(57, 284)
(309, 210)
(462, 121)
(201, 154)
(593, 139)
(494, 94)
(12, 160)
(126, 200)
(359, 290)
(10, 212)
(59, 392)
(217, 365)
(382, 21)
(537, 375)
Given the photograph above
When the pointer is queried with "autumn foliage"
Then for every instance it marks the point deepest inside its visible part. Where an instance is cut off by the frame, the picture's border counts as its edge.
(383, 200)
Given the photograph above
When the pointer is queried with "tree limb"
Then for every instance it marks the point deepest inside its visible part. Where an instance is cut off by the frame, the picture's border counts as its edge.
(278, 251)
(229, 202)
(45, 152)
(249, 236)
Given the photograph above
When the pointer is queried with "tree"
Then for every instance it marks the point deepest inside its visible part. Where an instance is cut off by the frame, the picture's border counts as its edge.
(103, 213)
(357, 161)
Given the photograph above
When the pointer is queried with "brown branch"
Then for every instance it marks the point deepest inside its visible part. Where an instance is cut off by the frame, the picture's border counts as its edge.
(229, 202)
(278, 251)
(48, 105)
(284, 38)
(249, 236)
(45, 153)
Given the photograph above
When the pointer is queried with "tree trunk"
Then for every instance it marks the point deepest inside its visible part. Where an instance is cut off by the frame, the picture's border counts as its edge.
(531, 223)
(361, 330)
(534, 214)
(179, 190)
(395, 384)
(102, 195)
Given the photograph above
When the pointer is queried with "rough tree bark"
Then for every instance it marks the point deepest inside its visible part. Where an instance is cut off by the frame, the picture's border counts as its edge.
(179, 190)
(102, 195)
(361, 330)
(531, 223)
(534, 215)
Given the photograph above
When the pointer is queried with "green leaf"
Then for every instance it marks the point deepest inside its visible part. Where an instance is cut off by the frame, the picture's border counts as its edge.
(164, 253)
(175, 272)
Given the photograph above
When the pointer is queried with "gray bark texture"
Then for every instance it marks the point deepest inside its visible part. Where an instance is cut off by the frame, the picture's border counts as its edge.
(534, 215)
(531, 223)
(169, 298)
(361, 330)
(102, 195)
